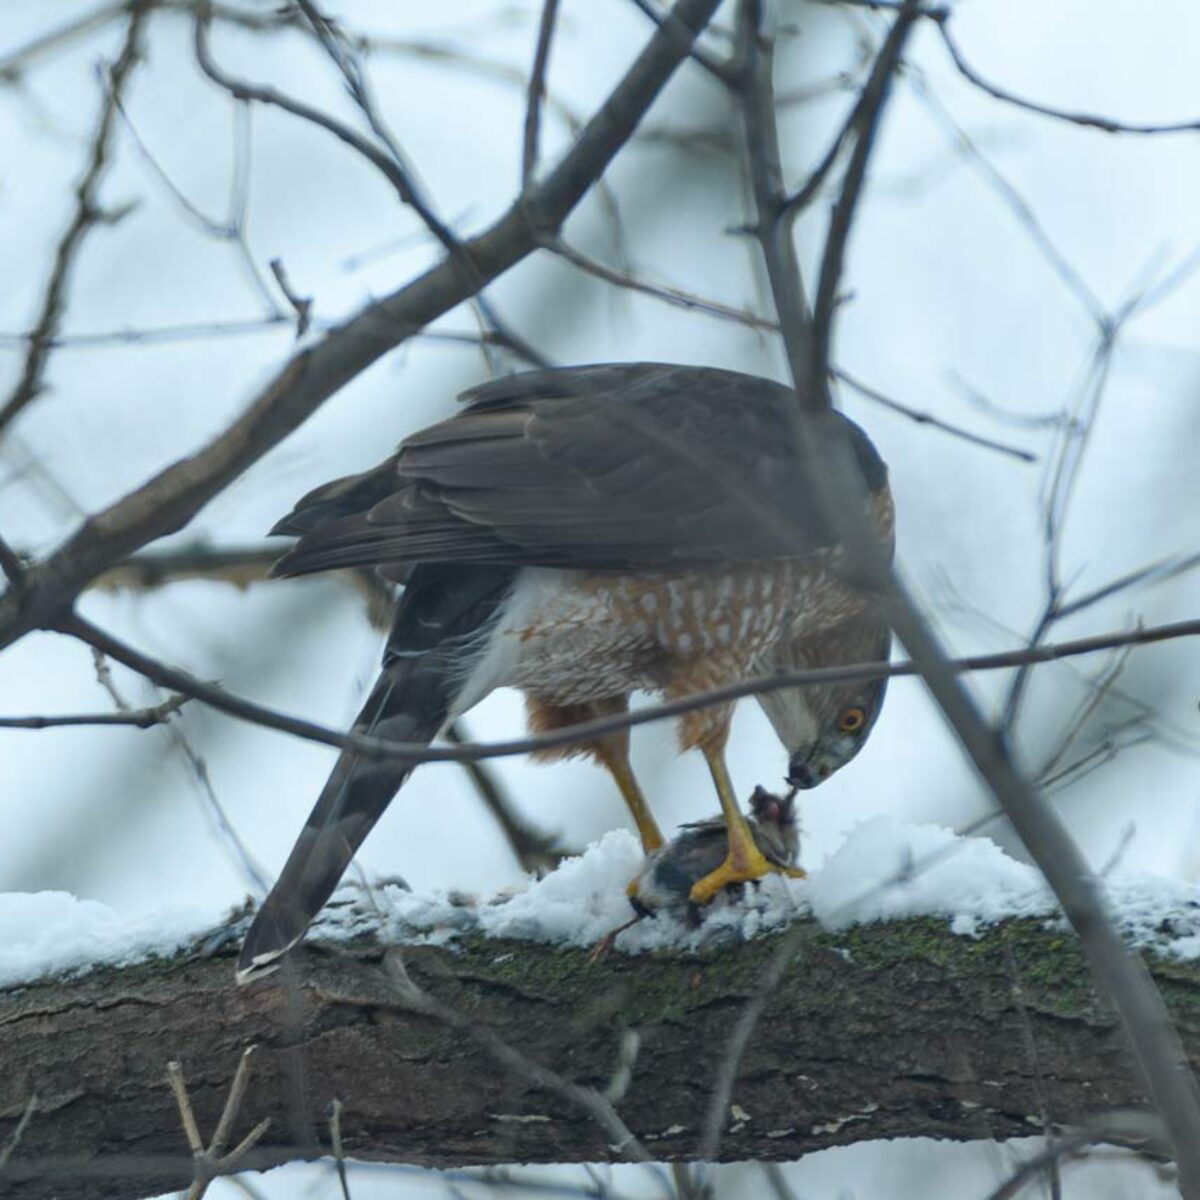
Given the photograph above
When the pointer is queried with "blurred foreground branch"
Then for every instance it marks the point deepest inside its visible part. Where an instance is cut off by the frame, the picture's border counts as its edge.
(889, 1030)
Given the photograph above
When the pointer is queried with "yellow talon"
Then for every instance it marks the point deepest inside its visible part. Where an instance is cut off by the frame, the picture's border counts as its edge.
(792, 872)
(742, 867)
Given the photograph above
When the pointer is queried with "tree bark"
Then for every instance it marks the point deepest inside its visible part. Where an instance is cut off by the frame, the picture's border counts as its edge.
(890, 1030)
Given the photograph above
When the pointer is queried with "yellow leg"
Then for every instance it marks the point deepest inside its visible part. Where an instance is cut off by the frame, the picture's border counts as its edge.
(616, 759)
(745, 861)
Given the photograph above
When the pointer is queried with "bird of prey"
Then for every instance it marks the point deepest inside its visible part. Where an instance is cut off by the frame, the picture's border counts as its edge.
(582, 533)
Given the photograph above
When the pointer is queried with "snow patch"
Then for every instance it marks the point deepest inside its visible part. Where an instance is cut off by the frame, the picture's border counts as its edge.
(884, 870)
(576, 905)
(55, 933)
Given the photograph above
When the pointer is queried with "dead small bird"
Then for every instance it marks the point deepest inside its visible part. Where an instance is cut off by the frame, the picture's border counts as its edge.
(667, 875)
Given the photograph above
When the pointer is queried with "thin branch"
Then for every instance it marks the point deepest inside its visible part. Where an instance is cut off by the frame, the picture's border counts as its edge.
(1159, 572)
(264, 94)
(717, 68)
(925, 418)
(88, 214)
(335, 1142)
(139, 718)
(668, 295)
(864, 124)
(232, 229)
(1086, 119)
(714, 308)
(238, 566)
(751, 1012)
(301, 305)
(199, 331)
(537, 90)
(14, 65)
(1136, 1131)
(381, 748)
(535, 852)
(1021, 209)
(17, 1134)
(347, 61)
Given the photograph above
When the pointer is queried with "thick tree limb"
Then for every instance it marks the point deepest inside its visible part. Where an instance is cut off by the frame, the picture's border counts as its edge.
(881, 1031)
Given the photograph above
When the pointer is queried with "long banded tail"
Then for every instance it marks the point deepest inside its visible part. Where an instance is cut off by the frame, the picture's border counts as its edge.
(440, 627)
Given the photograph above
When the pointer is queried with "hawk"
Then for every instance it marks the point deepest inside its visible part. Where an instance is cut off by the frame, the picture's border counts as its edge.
(583, 533)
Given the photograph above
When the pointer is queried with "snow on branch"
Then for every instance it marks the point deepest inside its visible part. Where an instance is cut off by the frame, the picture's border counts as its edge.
(452, 1029)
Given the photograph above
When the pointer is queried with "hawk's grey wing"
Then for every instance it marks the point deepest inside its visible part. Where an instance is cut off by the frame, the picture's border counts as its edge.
(636, 466)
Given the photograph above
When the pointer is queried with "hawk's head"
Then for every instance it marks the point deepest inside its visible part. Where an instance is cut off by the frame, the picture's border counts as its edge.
(824, 726)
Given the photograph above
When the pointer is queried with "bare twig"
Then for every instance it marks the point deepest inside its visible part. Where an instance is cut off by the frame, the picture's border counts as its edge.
(925, 418)
(716, 1115)
(149, 335)
(380, 748)
(335, 1141)
(212, 1162)
(238, 566)
(344, 56)
(1136, 1131)
(17, 1134)
(88, 214)
(537, 90)
(864, 124)
(719, 69)
(668, 295)
(534, 851)
(15, 64)
(1086, 119)
(140, 718)
(777, 1181)
(232, 229)
(1029, 1038)
(1159, 572)
(302, 305)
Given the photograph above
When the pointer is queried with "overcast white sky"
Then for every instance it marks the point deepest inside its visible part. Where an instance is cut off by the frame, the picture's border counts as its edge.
(947, 285)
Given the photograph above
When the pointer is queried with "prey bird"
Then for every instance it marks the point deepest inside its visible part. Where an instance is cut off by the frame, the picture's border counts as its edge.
(583, 533)
(668, 874)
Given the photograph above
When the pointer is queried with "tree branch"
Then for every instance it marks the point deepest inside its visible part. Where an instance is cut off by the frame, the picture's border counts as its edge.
(537, 90)
(168, 501)
(140, 718)
(1088, 120)
(88, 214)
(881, 1031)
(380, 748)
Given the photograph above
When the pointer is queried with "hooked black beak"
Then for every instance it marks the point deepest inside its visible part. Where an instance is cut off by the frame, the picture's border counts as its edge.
(801, 773)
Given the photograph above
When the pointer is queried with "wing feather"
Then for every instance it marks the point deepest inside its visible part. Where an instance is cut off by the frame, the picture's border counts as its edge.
(637, 466)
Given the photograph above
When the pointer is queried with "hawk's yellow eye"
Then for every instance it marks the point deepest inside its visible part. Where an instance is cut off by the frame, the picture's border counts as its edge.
(852, 720)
